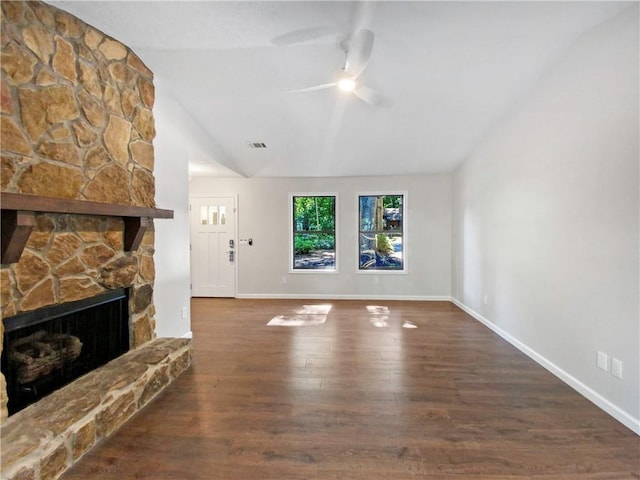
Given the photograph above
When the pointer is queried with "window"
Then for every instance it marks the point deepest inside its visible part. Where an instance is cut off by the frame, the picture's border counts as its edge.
(209, 215)
(314, 232)
(381, 235)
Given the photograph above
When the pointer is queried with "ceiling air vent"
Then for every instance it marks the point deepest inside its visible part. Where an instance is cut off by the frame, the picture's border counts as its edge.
(257, 145)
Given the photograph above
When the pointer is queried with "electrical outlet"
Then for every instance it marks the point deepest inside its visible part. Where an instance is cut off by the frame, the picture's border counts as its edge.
(616, 368)
(283, 280)
(602, 361)
(376, 280)
(486, 299)
(184, 313)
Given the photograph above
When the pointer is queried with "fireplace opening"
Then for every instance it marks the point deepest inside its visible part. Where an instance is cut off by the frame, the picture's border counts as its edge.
(45, 349)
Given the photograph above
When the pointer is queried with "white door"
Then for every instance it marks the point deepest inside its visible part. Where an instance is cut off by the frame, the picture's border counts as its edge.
(213, 247)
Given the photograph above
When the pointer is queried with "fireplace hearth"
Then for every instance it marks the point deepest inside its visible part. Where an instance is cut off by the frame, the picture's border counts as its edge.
(45, 349)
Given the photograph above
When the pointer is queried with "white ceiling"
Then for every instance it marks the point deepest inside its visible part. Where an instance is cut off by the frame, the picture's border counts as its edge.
(452, 69)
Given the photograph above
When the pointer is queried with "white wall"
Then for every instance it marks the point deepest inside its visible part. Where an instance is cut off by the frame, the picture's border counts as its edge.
(263, 207)
(546, 220)
(171, 289)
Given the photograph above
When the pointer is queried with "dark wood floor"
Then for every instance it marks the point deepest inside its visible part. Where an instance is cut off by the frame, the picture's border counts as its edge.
(347, 399)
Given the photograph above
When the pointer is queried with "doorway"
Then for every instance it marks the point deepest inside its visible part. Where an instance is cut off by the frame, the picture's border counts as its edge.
(213, 246)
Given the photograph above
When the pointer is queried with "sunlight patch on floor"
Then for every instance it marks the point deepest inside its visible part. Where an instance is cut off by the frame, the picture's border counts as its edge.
(306, 316)
(378, 309)
(314, 309)
(379, 317)
(379, 322)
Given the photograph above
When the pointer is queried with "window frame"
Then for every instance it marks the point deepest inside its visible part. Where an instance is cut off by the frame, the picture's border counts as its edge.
(292, 232)
(404, 232)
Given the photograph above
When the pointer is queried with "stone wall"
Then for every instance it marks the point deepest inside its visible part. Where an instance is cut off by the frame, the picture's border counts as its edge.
(75, 122)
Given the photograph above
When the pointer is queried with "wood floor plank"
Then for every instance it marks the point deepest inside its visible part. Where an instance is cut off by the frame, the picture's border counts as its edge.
(421, 391)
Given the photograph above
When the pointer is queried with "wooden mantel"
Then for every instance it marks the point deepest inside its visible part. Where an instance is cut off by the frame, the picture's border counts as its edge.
(18, 219)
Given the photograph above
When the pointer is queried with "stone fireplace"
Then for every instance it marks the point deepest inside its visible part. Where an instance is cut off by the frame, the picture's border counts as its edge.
(48, 348)
(76, 124)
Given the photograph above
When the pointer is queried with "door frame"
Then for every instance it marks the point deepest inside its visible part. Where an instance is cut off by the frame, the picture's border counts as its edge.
(235, 238)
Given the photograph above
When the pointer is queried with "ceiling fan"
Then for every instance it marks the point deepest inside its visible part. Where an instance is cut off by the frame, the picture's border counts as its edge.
(357, 51)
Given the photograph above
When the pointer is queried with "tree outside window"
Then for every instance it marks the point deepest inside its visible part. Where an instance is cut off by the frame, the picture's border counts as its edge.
(381, 233)
(314, 232)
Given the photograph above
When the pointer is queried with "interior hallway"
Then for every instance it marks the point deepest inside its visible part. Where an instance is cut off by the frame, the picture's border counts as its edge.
(399, 390)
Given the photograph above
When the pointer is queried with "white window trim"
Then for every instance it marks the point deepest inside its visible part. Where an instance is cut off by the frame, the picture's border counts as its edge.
(305, 271)
(405, 232)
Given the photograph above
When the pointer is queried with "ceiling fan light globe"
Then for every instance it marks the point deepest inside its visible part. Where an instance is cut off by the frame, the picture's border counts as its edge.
(347, 84)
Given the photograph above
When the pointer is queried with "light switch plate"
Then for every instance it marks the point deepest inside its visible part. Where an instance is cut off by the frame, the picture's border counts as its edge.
(602, 361)
(616, 368)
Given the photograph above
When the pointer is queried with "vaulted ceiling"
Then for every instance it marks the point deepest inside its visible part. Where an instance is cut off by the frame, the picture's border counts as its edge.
(452, 70)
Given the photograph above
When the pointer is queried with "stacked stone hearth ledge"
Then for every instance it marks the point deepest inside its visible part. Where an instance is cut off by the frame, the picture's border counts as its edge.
(45, 439)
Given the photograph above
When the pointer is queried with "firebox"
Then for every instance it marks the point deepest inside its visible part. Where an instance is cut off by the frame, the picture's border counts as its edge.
(48, 348)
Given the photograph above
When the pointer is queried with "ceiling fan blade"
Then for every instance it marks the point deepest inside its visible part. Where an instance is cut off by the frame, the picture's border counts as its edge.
(360, 47)
(372, 97)
(304, 35)
(314, 88)
(362, 14)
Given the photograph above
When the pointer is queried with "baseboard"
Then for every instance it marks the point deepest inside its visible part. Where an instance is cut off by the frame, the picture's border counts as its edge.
(328, 296)
(623, 417)
(189, 334)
